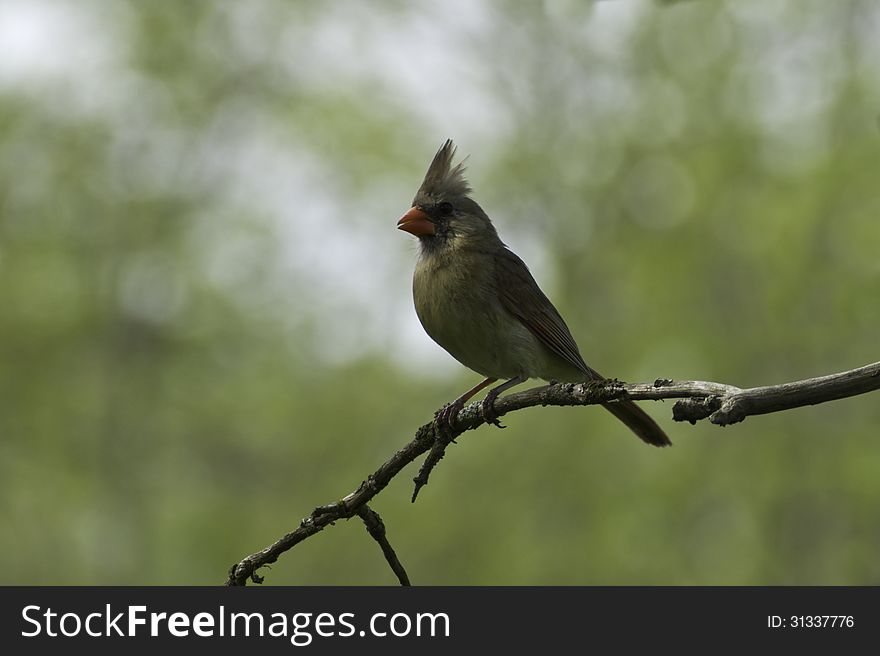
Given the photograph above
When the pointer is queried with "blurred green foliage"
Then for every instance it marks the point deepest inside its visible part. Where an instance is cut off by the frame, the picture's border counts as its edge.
(206, 327)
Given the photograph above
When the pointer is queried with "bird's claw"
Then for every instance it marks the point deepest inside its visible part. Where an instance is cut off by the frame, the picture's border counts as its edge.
(448, 414)
(487, 408)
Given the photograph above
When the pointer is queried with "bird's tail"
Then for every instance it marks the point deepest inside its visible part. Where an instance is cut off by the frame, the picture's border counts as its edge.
(638, 421)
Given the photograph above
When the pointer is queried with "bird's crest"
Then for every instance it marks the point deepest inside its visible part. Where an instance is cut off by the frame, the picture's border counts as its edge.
(443, 179)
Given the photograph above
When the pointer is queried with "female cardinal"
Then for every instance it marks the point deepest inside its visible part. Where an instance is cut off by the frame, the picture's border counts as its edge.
(477, 300)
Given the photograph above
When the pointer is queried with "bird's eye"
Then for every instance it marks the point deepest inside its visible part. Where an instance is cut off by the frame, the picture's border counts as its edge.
(445, 208)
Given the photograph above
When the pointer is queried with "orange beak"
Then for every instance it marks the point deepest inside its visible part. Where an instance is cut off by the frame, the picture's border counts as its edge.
(416, 222)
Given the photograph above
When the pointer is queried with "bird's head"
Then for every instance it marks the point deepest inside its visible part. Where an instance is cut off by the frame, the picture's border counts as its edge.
(443, 215)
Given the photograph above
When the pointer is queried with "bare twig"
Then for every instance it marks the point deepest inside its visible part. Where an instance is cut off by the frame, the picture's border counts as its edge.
(721, 404)
(443, 436)
(736, 404)
(376, 528)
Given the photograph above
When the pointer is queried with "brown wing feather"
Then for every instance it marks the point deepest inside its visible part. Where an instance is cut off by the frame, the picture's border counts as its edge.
(522, 297)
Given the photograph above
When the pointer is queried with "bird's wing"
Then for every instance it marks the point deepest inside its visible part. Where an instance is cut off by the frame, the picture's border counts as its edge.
(521, 296)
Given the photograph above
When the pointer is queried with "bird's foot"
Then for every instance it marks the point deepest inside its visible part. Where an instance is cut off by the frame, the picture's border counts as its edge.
(487, 407)
(448, 414)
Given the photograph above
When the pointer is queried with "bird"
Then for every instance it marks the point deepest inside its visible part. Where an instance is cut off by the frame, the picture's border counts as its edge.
(478, 300)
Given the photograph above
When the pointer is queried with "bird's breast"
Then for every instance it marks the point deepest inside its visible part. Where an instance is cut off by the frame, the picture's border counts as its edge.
(458, 306)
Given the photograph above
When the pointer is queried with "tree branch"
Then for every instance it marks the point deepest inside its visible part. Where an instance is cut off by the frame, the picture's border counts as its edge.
(376, 528)
(721, 404)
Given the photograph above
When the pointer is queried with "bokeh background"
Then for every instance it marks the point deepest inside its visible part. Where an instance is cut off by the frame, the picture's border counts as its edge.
(205, 318)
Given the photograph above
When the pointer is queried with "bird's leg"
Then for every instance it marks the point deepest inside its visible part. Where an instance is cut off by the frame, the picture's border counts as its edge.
(488, 405)
(449, 412)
